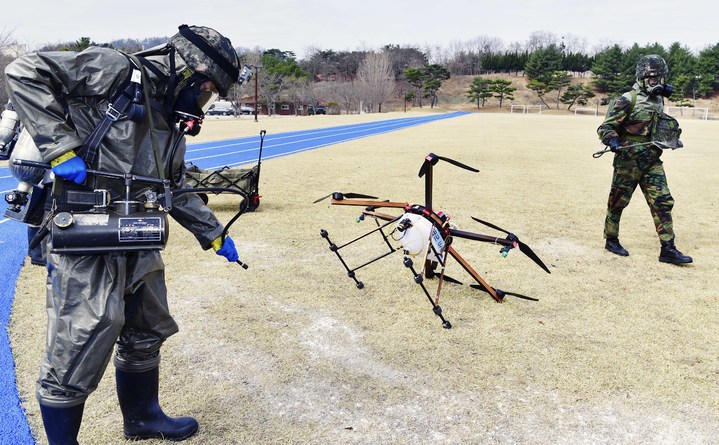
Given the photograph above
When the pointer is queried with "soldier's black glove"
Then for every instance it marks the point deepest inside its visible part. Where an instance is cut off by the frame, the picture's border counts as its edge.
(614, 145)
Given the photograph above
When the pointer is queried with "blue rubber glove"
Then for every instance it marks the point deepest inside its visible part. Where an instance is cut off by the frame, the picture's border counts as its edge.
(228, 250)
(70, 167)
(614, 145)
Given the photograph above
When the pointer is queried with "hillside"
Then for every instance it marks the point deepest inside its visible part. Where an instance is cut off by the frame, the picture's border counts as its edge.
(453, 95)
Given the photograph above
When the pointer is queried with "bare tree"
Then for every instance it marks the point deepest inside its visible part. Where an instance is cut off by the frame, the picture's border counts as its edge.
(348, 96)
(574, 44)
(516, 47)
(486, 44)
(542, 39)
(375, 79)
(301, 93)
(403, 57)
(9, 51)
(435, 54)
(344, 93)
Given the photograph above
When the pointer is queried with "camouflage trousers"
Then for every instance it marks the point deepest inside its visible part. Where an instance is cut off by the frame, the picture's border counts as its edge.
(649, 175)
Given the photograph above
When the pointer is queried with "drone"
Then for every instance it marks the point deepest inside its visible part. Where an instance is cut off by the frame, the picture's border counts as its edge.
(425, 234)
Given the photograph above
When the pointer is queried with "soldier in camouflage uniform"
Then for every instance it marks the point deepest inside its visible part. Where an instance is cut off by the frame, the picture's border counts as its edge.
(118, 299)
(628, 130)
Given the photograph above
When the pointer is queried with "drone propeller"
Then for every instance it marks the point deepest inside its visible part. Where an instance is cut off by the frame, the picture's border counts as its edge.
(449, 279)
(432, 159)
(501, 293)
(523, 247)
(339, 196)
(446, 278)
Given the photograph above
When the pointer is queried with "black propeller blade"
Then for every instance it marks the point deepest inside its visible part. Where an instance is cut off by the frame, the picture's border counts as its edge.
(523, 247)
(458, 164)
(432, 159)
(339, 196)
(488, 224)
(449, 279)
(501, 293)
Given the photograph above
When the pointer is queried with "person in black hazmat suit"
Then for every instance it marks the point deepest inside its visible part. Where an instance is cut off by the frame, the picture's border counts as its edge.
(119, 299)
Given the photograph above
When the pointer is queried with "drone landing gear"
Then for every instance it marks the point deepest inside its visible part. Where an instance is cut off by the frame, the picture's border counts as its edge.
(420, 280)
(351, 272)
(335, 249)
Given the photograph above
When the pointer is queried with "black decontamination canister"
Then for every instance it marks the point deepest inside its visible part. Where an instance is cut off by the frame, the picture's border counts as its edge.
(106, 231)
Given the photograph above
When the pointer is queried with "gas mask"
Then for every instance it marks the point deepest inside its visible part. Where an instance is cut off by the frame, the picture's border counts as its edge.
(193, 101)
(660, 88)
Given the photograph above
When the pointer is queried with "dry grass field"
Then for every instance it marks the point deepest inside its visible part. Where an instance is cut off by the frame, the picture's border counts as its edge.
(617, 350)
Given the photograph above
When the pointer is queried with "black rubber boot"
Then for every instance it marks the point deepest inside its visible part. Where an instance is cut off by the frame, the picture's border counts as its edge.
(670, 254)
(144, 419)
(62, 424)
(613, 246)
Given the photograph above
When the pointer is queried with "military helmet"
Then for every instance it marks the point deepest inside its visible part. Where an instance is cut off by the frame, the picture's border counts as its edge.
(652, 65)
(209, 53)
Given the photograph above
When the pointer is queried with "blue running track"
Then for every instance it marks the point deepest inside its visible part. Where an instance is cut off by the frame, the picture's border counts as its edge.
(232, 152)
(208, 155)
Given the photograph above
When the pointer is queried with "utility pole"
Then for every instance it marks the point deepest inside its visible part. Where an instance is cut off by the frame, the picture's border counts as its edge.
(256, 72)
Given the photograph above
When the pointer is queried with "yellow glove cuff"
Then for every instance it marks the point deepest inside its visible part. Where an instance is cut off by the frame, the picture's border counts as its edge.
(217, 243)
(62, 158)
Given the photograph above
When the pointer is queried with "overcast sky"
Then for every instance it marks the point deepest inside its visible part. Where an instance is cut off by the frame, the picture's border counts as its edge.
(300, 25)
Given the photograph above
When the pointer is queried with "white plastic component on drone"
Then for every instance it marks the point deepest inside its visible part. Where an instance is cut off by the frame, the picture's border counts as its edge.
(415, 238)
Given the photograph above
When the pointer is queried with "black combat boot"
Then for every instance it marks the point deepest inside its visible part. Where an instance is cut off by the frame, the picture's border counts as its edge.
(62, 424)
(670, 254)
(144, 419)
(613, 246)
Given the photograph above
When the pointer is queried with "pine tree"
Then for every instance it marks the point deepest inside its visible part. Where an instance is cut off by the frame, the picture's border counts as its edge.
(543, 63)
(708, 67)
(609, 70)
(480, 90)
(502, 90)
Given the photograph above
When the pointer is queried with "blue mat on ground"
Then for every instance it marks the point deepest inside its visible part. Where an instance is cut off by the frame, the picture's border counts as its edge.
(13, 425)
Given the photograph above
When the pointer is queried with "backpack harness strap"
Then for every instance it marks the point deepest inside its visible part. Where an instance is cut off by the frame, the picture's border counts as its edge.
(119, 107)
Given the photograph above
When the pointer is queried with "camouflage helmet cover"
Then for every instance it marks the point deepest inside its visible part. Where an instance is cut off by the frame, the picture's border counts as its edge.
(222, 69)
(652, 65)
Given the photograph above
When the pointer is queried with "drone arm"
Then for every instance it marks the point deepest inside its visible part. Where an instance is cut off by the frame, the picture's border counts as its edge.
(474, 274)
(483, 238)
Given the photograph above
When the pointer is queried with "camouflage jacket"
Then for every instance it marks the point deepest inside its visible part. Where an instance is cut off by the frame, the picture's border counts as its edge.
(61, 97)
(631, 124)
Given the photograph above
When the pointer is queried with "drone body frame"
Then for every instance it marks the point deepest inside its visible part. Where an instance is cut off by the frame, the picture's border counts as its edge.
(435, 233)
